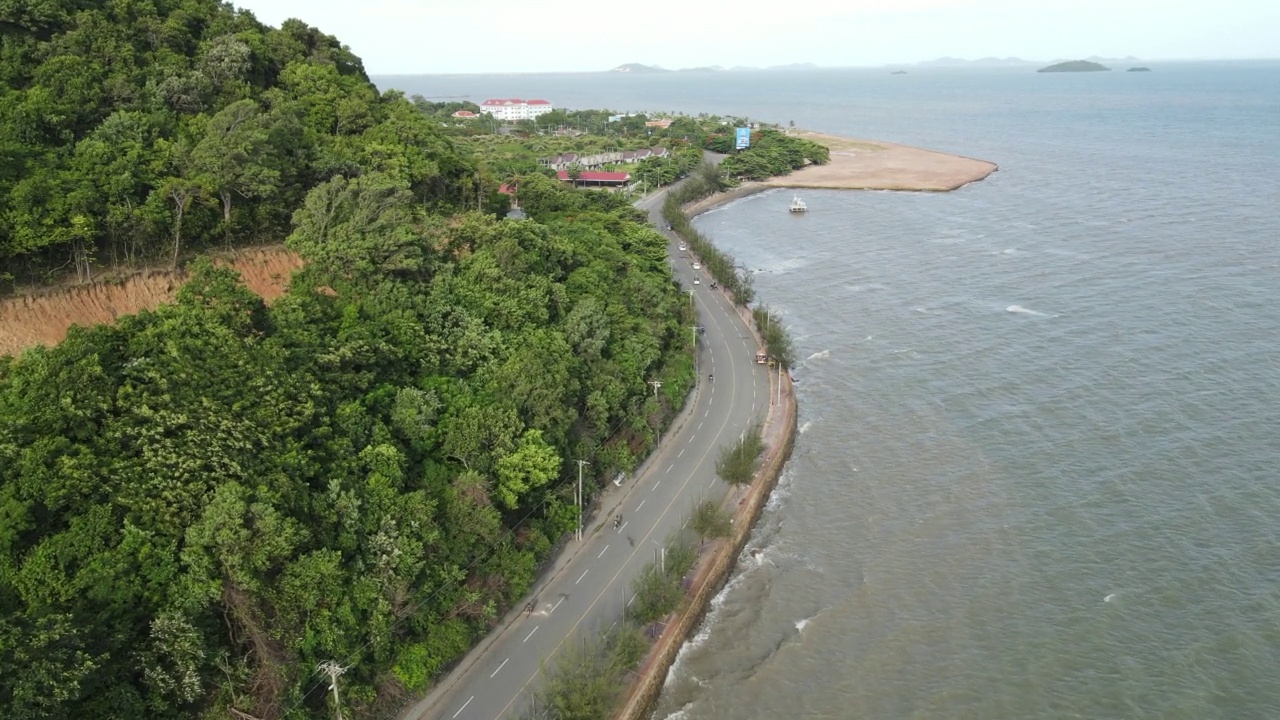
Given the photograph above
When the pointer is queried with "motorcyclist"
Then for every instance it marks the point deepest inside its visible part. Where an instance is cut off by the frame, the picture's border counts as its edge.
(617, 520)
(710, 376)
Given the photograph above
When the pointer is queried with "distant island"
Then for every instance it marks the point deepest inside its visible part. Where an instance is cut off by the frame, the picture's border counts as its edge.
(1075, 66)
(638, 68)
(898, 72)
(1139, 69)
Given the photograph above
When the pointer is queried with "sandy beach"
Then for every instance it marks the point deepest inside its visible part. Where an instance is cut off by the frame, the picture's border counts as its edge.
(866, 165)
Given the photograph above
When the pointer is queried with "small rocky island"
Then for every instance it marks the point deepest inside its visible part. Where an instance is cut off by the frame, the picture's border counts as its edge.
(1139, 69)
(1075, 66)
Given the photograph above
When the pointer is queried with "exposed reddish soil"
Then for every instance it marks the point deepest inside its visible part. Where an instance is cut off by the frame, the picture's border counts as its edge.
(43, 318)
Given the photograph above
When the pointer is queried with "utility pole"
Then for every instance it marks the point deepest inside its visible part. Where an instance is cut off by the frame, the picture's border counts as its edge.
(333, 670)
(580, 464)
(656, 384)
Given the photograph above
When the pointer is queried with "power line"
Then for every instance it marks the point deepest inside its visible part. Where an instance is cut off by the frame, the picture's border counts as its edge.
(333, 670)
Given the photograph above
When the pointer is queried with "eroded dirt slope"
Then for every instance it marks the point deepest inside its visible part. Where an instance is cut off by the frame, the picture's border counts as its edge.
(44, 319)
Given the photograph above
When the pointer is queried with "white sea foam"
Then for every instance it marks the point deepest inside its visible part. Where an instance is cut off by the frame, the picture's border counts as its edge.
(801, 623)
(1109, 598)
(805, 426)
(1018, 309)
(679, 714)
(820, 355)
(781, 491)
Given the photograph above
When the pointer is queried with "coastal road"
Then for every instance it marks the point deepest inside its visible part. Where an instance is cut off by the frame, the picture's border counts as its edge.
(587, 593)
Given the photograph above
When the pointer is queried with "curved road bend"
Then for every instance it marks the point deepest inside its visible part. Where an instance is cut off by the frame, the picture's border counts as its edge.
(588, 593)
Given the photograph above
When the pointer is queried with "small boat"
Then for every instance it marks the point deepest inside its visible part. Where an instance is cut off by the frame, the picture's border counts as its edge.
(797, 205)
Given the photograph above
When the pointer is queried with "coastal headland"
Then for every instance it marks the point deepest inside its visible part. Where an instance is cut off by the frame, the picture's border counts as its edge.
(866, 165)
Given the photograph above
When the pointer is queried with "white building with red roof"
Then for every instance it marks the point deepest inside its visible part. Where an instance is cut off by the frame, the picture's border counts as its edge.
(515, 108)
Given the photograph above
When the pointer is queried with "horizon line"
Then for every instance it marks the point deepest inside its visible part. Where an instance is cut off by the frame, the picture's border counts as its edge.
(814, 66)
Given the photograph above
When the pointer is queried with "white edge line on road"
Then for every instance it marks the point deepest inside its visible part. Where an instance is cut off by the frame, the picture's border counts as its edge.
(713, 482)
(464, 706)
(606, 547)
(584, 574)
(504, 664)
(642, 502)
(531, 632)
(633, 599)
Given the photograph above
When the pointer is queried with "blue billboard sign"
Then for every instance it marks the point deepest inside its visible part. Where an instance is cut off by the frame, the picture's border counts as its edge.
(744, 138)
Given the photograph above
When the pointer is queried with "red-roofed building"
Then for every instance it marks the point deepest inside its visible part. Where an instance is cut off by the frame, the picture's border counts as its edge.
(465, 115)
(515, 108)
(588, 178)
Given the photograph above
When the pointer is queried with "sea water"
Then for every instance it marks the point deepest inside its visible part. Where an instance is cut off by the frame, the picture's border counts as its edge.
(1038, 473)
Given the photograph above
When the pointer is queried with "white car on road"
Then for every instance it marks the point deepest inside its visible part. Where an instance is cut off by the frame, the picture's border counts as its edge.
(696, 266)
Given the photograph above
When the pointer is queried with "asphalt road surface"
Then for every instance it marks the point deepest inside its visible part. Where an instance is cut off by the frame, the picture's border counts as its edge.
(587, 594)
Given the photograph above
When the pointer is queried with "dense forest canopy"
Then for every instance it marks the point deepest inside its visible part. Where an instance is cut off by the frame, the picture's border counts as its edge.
(134, 130)
(201, 503)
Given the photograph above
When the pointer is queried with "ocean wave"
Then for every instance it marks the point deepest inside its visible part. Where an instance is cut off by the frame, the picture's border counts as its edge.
(804, 427)
(680, 714)
(1019, 310)
(781, 490)
(820, 355)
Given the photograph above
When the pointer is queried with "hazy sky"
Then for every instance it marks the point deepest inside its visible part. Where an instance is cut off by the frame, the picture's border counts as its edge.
(481, 36)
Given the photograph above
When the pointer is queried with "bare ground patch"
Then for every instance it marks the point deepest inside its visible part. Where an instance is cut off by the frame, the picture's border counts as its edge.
(43, 318)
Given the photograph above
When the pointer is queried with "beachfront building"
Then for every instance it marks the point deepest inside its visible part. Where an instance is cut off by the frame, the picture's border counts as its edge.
(664, 123)
(465, 115)
(515, 108)
(596, 179)
(595, 160)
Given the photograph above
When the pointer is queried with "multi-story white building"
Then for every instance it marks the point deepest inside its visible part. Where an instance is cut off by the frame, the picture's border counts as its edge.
(515, 108)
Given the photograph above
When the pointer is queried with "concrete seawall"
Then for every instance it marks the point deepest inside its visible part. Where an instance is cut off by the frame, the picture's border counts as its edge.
(717, 564)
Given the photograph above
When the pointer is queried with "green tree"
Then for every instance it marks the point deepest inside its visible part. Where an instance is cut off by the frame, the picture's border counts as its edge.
(709, 521)
(532, 465)
(235, 155)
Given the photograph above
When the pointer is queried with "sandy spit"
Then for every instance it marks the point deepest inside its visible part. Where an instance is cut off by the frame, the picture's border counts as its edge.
(866, 165)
